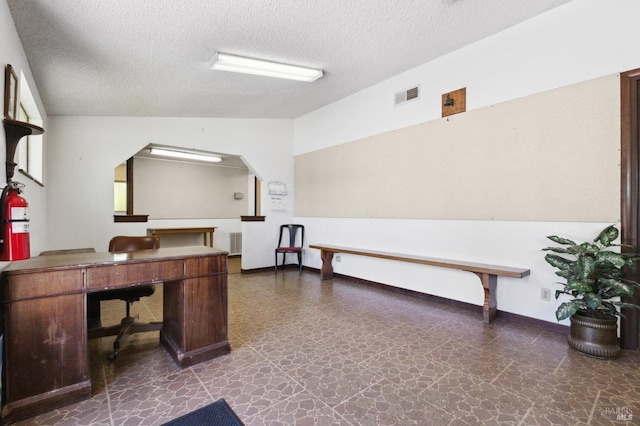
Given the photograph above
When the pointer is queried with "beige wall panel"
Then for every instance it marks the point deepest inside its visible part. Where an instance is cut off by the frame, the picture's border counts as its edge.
(180, 190)
(314, 172)
(356, 188)
(553, 156)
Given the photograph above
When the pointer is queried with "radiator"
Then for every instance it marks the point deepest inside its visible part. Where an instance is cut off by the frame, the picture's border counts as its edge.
(235, 242)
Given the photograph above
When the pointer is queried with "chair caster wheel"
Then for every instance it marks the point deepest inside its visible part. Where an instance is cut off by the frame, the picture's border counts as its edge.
(112, 356)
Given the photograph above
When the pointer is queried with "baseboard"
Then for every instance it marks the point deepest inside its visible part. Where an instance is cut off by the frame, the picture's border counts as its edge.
(516, 318)
(508, 316)
(280, 268)
(255, 270)
(535, 322)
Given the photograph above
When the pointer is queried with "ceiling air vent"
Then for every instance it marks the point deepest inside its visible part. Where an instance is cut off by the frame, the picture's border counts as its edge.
(407, 95)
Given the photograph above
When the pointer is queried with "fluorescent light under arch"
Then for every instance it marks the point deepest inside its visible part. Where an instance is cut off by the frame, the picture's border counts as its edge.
(185, 155)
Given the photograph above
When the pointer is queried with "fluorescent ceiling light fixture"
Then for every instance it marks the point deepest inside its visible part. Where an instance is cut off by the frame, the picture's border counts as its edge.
(226, 62)
(185, 155)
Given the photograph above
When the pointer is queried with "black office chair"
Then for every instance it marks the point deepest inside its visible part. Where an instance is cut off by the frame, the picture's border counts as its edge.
(127, 325)
(294, 244)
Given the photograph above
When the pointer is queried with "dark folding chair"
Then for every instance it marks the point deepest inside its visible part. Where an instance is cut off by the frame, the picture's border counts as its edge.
(292, 244)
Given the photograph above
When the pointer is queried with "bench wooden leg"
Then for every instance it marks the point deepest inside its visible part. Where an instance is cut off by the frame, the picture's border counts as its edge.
(326, 273)
(489, 283)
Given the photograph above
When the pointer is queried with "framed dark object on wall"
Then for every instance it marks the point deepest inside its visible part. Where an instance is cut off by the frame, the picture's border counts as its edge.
(10, 93)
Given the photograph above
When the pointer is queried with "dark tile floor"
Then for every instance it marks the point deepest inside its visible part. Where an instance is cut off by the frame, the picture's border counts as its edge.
(307, 352)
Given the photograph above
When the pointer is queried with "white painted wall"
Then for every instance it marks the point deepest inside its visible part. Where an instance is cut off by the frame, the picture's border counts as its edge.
(11, 52)
(504, 243)
(579, 41)
(166, 189)
(84, 151)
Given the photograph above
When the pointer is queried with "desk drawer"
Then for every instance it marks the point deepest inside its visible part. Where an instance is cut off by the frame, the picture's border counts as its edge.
(39, 284)
(137, 273)
(205, 265)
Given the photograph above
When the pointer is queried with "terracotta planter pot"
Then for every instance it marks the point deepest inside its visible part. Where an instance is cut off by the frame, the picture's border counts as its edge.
(597, 338)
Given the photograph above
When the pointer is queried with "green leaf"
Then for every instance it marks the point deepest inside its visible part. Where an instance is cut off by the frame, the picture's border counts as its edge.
(617, 288)
(581, 286)
(568, 273)
(610, 272)
(626, 305)
(616, 259)
(607, 236)
(588, 248)
(559, 262)
(586, 267)
(564, 250)
(592, 300)
(608, 282)
(566, 309)
(560, 240)
(632, 260)
(633, 284)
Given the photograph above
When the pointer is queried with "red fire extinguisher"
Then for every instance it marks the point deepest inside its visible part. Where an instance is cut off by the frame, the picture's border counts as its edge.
(14, 232)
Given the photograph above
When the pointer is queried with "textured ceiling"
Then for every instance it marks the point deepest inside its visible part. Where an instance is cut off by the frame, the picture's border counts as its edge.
(150, 57)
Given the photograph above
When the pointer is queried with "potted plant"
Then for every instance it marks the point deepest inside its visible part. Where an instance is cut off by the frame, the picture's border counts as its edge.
(595, 279)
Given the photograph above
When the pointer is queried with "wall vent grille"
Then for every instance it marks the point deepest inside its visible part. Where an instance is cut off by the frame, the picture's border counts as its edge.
(407, 95)
(235, 242)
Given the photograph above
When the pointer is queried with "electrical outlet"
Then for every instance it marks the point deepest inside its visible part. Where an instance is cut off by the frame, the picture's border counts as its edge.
(338, 259)
(545, 294)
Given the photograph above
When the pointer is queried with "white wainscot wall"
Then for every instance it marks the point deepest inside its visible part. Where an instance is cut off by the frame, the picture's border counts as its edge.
(517, 244)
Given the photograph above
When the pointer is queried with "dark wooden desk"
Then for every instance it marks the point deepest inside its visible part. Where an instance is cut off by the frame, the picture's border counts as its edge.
(44, 305)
